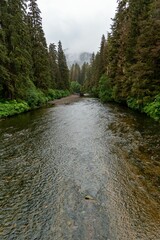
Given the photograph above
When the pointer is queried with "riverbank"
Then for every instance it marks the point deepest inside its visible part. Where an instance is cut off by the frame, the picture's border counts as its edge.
(149, 107)
(14, 107)
(66, 100)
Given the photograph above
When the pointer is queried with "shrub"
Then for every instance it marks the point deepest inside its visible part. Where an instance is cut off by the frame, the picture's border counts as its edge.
(56, 94)
(35, 97)
(75, 87)
(94, 92)
(153, 108)
(51, 94)
(134, 103)
(105, 89)
(13, 107)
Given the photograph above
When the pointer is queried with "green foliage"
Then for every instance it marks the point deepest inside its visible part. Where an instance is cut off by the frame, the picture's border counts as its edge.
(153, 108)
(75, 87)
(105, 89)
(9, 108)
(134, 103)
(52, 94)
(94, 91)
(35, 97)
(130, 57)
(63, 81)
(27, 68)
(75, 73)
(56, 94)
(42, 76)
(53, 65)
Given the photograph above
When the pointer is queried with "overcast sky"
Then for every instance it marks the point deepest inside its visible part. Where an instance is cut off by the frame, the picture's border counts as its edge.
(79, 24)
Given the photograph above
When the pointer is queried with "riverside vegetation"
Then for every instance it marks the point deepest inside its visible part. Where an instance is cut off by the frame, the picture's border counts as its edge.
(36, 99)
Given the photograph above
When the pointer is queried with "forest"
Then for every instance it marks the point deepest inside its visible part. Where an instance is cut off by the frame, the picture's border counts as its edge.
(126, 69)
(30, 73)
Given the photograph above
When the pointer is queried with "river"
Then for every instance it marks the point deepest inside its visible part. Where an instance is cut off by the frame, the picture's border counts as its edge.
(82, 171)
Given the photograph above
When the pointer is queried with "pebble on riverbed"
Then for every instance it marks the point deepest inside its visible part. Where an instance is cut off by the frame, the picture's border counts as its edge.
(89, 198)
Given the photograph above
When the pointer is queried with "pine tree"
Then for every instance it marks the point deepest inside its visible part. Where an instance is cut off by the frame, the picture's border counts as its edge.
(146, 84)
(54, 65)
(75, 72)
(63, 69)
(4, 60)
(117, 52)
(16, 39)
(71, 73)
(102, 61)
(132, 53)
(83, 73)
(40, 55)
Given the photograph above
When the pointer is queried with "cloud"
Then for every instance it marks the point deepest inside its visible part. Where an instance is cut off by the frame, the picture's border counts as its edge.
(79, 24)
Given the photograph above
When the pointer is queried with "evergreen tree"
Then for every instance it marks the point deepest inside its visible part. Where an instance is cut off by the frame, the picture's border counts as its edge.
(4, 60)
(146, 84)
(83, 73)
(75, 72)
(54, 65)
(71, 73)
(102, 60)
(41, 61)
(117, 52)
(129, 60)
(17, 44)
(63, 69)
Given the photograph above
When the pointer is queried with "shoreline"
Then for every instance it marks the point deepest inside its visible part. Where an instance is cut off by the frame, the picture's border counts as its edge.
(65, 100)
(18, 108)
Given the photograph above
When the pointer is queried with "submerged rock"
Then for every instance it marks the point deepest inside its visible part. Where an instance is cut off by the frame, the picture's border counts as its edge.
(89, 198)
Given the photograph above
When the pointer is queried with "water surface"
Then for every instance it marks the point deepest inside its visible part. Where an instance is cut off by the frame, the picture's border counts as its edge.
(84, 171)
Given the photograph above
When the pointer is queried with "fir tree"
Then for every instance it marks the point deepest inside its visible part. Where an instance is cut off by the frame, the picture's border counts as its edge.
(17, 42)
(4, 60)
(83, 74)
(41, 62)
(54, 65)
(75, 73)
(63, 69)
(102, 61)
(146, 84)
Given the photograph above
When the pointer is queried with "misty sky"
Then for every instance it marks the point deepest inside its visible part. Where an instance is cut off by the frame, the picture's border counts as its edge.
(79, 24)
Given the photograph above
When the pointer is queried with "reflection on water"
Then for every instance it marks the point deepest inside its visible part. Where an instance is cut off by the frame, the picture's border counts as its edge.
(82, 171)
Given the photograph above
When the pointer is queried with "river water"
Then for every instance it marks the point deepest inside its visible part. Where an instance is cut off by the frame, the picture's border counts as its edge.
(82, 171)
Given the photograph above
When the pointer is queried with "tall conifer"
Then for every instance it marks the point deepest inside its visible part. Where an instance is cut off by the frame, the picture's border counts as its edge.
(41, 62)
(63, 69)
(54, 65)
(4, 60)
(16, 39)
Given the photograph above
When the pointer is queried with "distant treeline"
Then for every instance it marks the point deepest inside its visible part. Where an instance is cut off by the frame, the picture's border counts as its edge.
(127, 67)
(29, 71)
